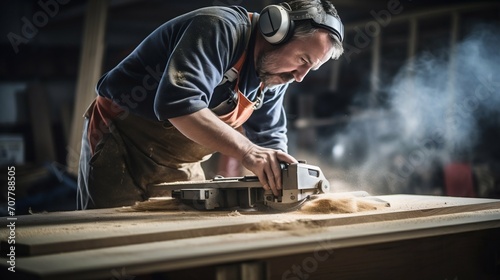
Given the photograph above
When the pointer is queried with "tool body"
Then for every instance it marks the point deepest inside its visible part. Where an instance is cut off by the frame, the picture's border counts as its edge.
(299, 181)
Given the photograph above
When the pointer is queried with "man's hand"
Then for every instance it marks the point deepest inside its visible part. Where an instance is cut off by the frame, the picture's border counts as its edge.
(265, 163)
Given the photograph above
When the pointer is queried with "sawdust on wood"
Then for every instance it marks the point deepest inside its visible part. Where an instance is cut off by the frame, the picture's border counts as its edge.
(285, 225)
(339, 204)
(160, 204)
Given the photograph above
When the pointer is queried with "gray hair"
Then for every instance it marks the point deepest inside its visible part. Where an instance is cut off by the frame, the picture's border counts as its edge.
(304, 28)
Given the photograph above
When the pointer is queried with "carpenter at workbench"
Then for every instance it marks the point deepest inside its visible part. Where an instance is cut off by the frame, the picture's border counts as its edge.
(209, 80)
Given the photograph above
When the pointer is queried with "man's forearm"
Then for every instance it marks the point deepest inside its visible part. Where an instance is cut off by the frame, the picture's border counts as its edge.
(205, 128)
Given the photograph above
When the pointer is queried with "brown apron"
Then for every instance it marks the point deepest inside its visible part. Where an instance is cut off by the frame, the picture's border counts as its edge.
(123, 153)
(135, 152)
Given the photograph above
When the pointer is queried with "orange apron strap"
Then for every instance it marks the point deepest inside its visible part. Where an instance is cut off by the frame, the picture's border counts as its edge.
(244, 107)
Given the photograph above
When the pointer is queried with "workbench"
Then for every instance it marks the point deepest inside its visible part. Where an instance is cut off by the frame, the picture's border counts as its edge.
(418, 237)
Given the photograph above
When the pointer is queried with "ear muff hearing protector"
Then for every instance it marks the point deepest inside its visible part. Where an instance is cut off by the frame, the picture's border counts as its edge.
(276, 23)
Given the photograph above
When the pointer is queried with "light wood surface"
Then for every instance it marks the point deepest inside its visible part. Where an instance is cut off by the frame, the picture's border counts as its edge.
(98, 242)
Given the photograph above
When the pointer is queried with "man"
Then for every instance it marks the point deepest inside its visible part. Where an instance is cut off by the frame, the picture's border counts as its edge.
(212, 80)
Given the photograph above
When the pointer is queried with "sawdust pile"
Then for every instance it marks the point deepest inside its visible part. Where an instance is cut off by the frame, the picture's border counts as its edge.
(340, 203)
(160, 204)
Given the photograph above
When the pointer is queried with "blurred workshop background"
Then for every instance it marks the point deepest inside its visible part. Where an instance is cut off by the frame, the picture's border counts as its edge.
(413, 106)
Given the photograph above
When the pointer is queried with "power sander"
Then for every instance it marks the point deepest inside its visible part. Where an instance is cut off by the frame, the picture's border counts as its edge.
(299, 182)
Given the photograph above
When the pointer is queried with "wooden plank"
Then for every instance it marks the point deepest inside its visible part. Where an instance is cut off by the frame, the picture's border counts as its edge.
(140, 259)
(82, 230)
(89, 73)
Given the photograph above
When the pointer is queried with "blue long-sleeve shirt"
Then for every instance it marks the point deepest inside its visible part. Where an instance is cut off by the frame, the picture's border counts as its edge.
(176, 71)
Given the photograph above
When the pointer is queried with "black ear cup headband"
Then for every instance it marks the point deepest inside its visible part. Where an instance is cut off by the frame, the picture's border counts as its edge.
(276, 23)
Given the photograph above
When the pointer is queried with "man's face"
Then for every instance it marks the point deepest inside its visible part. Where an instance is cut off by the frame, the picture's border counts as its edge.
(293, 60)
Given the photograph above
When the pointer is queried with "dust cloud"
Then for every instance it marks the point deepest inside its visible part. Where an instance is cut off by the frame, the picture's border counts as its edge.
(439, 108)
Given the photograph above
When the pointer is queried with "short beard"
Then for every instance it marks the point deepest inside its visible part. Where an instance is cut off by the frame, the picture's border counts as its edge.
(264, 62)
